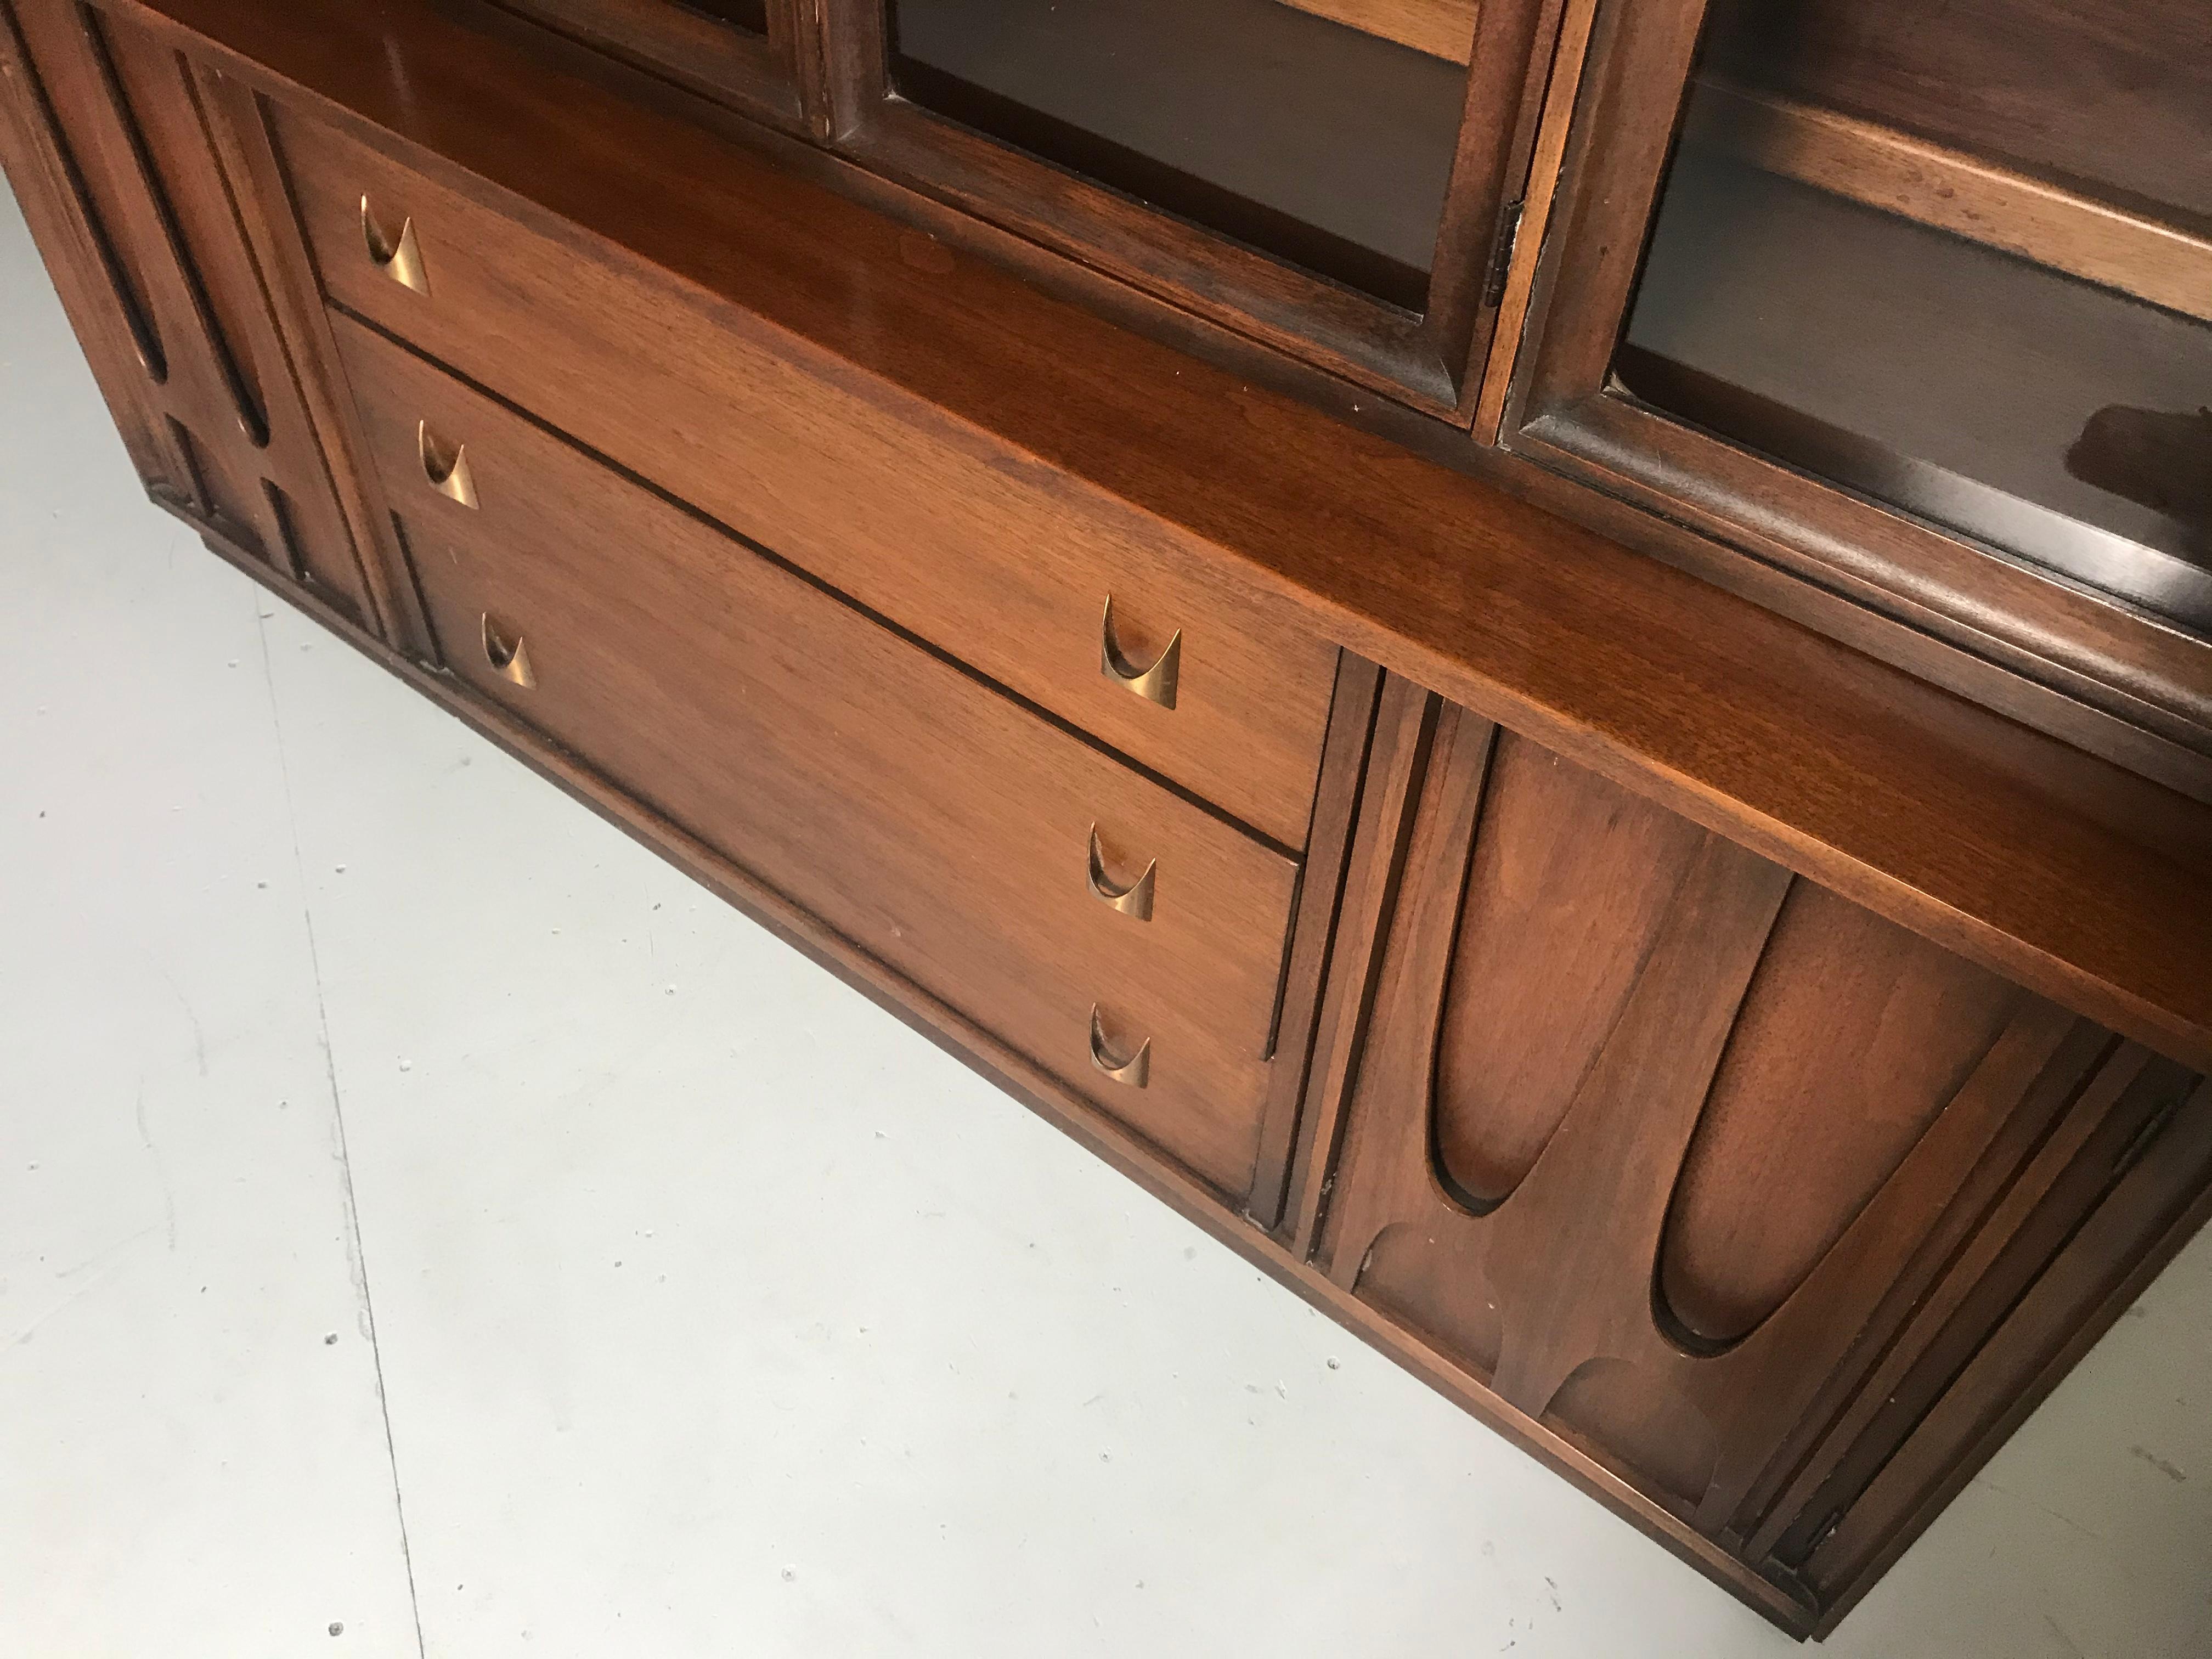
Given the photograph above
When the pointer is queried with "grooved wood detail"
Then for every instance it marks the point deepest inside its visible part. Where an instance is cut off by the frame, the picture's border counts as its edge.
(1760, 1217)
(1772, 1152)
(1552, 935)
(213, 387)
(1854, 1036)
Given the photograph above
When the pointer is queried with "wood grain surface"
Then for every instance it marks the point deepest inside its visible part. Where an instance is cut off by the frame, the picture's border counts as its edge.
(926, 817)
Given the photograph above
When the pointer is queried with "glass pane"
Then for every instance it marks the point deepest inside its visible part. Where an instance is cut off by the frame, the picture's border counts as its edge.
(1327, 144)
(1958, 258)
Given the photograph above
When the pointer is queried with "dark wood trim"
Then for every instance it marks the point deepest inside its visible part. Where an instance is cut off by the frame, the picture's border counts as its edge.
(1422, 360)
(1314, 925)
(113, 323)
(1405, 718)
(2105, 1268)
(1567, 412)
(238, 130)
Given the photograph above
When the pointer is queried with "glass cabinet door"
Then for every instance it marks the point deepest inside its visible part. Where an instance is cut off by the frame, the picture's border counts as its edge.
(1958, 259)
(1321, 132)
(743, 53)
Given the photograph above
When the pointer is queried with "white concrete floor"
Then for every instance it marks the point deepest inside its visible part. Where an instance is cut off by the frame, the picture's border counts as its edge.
(429, 1226)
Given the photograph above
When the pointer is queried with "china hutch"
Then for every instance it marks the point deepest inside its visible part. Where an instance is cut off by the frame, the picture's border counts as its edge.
(1549, 660)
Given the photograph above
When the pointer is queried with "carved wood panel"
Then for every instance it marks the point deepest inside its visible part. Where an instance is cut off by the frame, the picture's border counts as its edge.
(205, 386)
(1718, 1176)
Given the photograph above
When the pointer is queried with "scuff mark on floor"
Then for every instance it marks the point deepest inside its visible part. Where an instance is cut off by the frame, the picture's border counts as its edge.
(2157, 1462)
(2058, 1515)
(102, 1256)
(160, 1170)
(62, 1306)
(192, 1019)
(2058, 1631)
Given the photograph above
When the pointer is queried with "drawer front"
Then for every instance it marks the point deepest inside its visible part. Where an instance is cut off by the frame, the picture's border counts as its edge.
(1004, 563)
(915, 809)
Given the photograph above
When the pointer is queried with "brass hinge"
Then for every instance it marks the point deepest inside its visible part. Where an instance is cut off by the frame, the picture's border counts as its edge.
(2147, 1132)
(1501, 255)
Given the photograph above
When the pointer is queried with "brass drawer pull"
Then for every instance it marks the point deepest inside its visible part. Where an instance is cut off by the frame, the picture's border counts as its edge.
(1136, 1071)
(400, 260)
(510, 659)
(447, 466)
(1154, 684)
(1135, 900)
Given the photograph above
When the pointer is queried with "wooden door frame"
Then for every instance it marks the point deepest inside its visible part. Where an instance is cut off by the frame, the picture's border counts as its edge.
(1430, 361)
(1762, 528)
(777, 79)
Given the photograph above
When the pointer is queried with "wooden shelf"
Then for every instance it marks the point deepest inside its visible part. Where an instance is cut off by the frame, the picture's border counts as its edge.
(2100, 242)
(1441, 28)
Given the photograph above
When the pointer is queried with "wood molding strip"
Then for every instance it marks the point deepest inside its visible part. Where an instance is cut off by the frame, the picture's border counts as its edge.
(1441, 28)
(244, 148)
(2101, 242)
(1322, 883)
(1397, 760)
(1539, 193)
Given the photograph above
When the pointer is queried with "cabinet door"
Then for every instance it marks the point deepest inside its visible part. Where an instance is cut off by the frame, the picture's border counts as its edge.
(1917, 305)
(1720, 1177)
(1328, 175)
(119, 143)
(757, 56)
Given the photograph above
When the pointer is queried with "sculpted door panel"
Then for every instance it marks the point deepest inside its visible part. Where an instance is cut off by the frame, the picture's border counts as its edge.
(1685, 1160)
(209, 398)
(1854, 1036)
(1554, 929)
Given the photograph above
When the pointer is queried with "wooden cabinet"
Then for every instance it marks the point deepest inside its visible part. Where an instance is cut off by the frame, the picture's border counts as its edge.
(1394, 636)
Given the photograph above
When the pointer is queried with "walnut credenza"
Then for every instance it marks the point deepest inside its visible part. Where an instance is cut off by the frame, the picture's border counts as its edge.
(1744, 1057)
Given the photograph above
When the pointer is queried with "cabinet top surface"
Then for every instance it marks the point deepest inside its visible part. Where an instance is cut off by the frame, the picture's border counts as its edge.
(2066, 871)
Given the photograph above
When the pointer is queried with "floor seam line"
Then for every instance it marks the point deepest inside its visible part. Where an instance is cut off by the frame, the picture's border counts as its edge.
(345, 1151)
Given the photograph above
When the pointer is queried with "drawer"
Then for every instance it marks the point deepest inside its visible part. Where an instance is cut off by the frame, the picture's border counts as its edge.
(1000, 562)
(915, 809)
